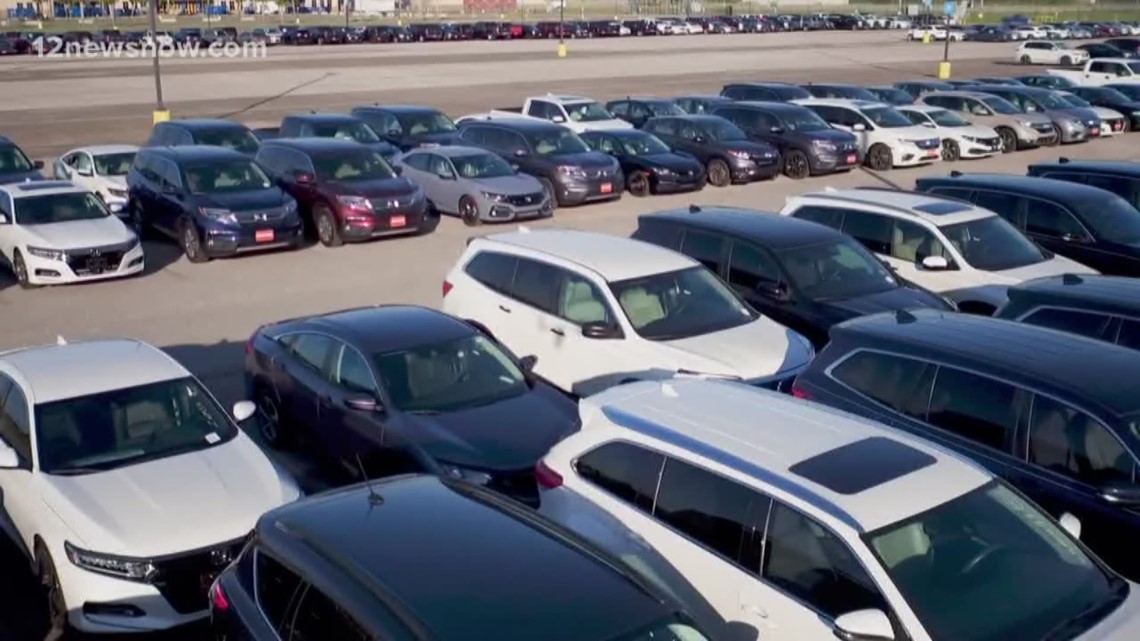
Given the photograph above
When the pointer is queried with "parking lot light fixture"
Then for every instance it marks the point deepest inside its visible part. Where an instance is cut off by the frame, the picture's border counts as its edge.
(161, 113)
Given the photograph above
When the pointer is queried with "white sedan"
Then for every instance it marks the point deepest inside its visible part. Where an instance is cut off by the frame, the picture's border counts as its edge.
(960, 137)
(100, 169)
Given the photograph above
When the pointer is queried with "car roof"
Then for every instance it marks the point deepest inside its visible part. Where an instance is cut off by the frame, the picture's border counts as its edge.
(704, 96)
(564, 97)
(617, 133)
(784, 85)
(924, 108)
(399, 109)
(314, 145)
(1023, 90)
(924, 83)
(519, 123)
(840, 102)
(452, 151)
(641, 99)
(62, 371)
(612, 257)
(324, 117)
(31, 188)
(195, 153)
(1060, 190)
(693, 118)
(1098, 372)
(424, 545)
(1125, 167)
(5, 140)
(977, 95)
(934, 209)
(203, 123)
(382, 328)
(765, 228)
(1112, 294)
(771, 106)
(99, 150)
(776, 439)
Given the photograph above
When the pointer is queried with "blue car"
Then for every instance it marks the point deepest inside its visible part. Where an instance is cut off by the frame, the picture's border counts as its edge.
(204, 131)
(14, 164)
(214, 201)
(341, 126)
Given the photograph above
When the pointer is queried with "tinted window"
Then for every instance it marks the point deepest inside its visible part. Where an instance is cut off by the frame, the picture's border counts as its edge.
(1072, 443)
(418, 161)
(536, 284)
(1127, 189)
(350, 371)
(277, 589)
(1047, 219)
(872, 230)
(992, 243)
(1068, 320)
(496, 271)
(902, 384)
(1004, 205)
(704, 248)
(319, 618)
(749, 266)
(980, 409)
(823, 215)
(474, 135)
(627, 471)
(1129, 334)
(15, 425)
(914, 243)
(663, 235)
(313, 349)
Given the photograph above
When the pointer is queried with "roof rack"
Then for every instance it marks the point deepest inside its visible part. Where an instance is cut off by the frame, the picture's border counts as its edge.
(694, 209)
(955, 174)
(1063, 160)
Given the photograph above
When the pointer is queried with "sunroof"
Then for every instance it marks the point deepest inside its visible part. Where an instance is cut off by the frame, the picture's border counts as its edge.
(942, 208)
(862, 465)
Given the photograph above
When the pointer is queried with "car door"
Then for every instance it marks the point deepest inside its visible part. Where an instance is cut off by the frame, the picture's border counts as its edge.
(532, 325)
(1058, 230)
(20, 505)
(356, 436)
(170, 201)
(305, 386)
(82, 171)
(587, 363)
(446, 183)
(666, 130)
(418, 168)
(8, 229)
(755, 274)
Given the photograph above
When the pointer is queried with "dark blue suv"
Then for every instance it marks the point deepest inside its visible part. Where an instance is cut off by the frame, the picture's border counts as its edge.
(204, 131)
(14, 164)
(1054, 414)
(215, 202)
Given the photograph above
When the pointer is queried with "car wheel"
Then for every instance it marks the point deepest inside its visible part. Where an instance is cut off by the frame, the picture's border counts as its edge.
(327, 232)
(20, 269)
(191, 243)
(136, 217)
(950, 150)
(52, 594)
(548, 187)
(269, 423)
(1025, 60)
(879, 158)
(796, 165)
(638, 184)
(1056, 140)
(1066, 62)
(718, 172)
(1008, 140)
(469, 211)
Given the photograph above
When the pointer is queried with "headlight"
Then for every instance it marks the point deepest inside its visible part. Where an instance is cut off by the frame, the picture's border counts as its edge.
(290, 207)
(495, 197)
(464, 474)
(823, 145)
(117, 193)
(132, 243)
(220, 215)
(663, 171)
(736, 153)
(47, 254)
(1026, 123)
(969, 139)
(120, 567)
(355, 202)
(571, 171)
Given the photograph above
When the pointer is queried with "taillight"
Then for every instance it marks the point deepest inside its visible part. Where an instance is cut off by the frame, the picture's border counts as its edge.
(249, 345)
(446, 287)
(800, 392)
(546, 477)
(218, 600)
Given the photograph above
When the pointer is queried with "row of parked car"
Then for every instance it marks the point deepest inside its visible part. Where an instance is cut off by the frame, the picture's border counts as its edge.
(1020, 31)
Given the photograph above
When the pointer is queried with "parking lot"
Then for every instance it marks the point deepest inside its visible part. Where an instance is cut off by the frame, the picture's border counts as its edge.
(203, 314)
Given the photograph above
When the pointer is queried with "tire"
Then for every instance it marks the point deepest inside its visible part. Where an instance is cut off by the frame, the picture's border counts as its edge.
(1056, 137)
(20, 269)
(950, 150)
(548, 187)
(879, 158)
(1008, 140)
(327, 232)
(136, 216)
(1025, 60)
(796, 165)
(1066, 61)
(469, 211)
(191, 243)
(638, 184)
(54, 602)
(719, 173)
(270, 425)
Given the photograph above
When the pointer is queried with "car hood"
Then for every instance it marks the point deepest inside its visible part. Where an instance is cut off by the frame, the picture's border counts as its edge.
(1105, 113)
(671, 161)
(754, 350)
(1032, 118)
(914, 133)
(1121, 623)
(517, 184)
(77, 234)
(837, 136)
(1085, 115)
(19, 177)
(591, 159)
(974, 131)
(376, 188)
(605, 125)
(244, 200)
(890, 300)
(441, 138)
(1056, 266)
(752, 148)
(509, 435)
(144, 510)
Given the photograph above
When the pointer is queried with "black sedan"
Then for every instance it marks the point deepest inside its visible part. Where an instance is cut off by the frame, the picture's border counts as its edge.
(726, 152)
(1109, 97)
(649, 165)
(394, 389)
(1101, 50)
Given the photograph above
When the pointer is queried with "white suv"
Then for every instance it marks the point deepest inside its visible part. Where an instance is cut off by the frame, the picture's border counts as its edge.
(886, 137)
(125, 482)
(966, 253)
(599, 310)
(799, 522)
(54, 232)
(1046, 52)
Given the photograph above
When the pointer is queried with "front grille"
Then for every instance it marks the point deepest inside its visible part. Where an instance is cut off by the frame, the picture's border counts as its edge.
(519, 485)
(927, 144)
(523, 200)
(260, 216)
(184, 579)
(395, 202)
(990, 142)
(96, 260)
(594, 172)
(1043, 128)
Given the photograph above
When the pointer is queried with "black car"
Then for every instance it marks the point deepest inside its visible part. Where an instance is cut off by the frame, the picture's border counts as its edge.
(420, 558)
(15, 166)
(1101, 50)
(726, 152)
(1128, 45)
(1112, 97)
(1053, 414)
(801, 274)
(388, 387)
(604, 28)
(845, 92)
(807, 144)
(329, 125)
(491, 31)
(1106, 308)
(1047, 81)
(561, 161)
(892, 96)
(649, 165)
(408, 126)
(990, 34)
(204, 131)
(456, 31)
(423, 32)
(918, 88)
(999, 80)
(764, 91)
(1092, 226)
(1121, 177)
(699, 104)
(637, 110)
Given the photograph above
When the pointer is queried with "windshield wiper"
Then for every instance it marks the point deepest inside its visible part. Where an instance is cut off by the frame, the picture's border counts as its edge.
(75, 471)
(1076, 624)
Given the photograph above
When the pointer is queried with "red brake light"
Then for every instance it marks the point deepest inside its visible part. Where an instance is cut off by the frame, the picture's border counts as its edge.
(799, 392)
(446, 287)
(546, 477)
(218, 600)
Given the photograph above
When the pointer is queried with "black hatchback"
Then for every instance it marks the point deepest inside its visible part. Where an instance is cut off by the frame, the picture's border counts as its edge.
(1106, 308)
(727, 153)
(649, 165)
(807, 143)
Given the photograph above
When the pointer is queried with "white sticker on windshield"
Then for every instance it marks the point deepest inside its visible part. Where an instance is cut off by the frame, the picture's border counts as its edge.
(212, 438)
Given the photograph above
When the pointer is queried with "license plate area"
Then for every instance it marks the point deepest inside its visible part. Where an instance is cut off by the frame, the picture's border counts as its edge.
(97, 265)
(606, 188)
(852, 159)
(398, 221)
(264, 235)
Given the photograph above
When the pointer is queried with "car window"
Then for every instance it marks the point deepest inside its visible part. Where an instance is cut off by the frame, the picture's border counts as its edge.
(535, 284)
(1129, 334)
(1088, 324)
(873, 230)
(829, 216)
(277, 589)
(1004, 205)
(1127, 189)
(421, 162)
(704, 248)
(15, 424)
(749, 267)
(977, 408)
(474, 135)
(1072, 443)
(628, 472)
(619, 108)
(813, 565)
(680, 304)
(689, 131)
(313, 350)
(1053, 221)
(319, 618)
(916, 117)
(661, 234)
(495, 271)
(350, 371)
(914, 243)
(902, 384)
(665, 127)
(581, 302)
(713, 510)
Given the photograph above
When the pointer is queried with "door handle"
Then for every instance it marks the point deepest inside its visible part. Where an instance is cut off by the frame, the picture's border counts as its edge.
(504, 308)
(557, 331)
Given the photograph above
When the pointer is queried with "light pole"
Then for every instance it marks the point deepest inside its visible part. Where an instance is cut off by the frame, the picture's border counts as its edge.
(161, 114)
(561, 28)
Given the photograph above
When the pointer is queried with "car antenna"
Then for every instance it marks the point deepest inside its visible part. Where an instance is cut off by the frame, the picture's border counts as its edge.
(1071, 279)
(955, 174)
(904, 317)
(60, 340)
(374, 499)
(694, 209)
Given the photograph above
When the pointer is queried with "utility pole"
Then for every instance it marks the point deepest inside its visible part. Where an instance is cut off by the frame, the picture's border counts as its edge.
(161, 114)
(561, 28)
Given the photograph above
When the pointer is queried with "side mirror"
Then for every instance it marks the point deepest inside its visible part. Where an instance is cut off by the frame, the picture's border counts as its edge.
(776, 291)
(397, 169)
(521, 153)
(3, 219)
(557, 119)
(1071, 524)
(864, 625)
(776, 130)
(929, 125)
(243, 411)
(9, 459)
(935, 263)
(888, 265)
(38, 164)
(858, 127)
(700, 140)
(527, 363)
(303, 177)
(167, 188)
(1073, 238)
(445, 175)
(1122, 494)
(84, 172)
(600, 330)
(363, 404)
(395, 133)
(515, 167)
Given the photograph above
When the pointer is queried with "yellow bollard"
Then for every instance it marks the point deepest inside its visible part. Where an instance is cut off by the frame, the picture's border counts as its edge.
(944, 70)
(160, 115)
(926, 38)
(562, 50)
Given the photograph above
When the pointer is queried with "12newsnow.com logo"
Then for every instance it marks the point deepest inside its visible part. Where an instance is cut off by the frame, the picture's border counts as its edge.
(57, 47)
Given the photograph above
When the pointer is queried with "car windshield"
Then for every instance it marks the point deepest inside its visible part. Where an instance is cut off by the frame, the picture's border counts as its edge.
(1132, 92)
(558, 142)
(357, 164)
(664, 108)
(481, 166)
(356, 131)
(13, 161)
(230, 175)
(893, 96)
(803, 120)
(991, 546)
(1049, 101)
(723, 131)
(425, 123)
(887, 117)
(671, 630)
(59, 208)
(1113, 219)
(1001, 106)
(680, 304)
(1106, 94)
(835, 270)
(945, 118)
(587, 112)
(235, 138)
(1074, 100)
(992, 244)
(113, 429)
(114, 164)
(458, 374)
(642, 144)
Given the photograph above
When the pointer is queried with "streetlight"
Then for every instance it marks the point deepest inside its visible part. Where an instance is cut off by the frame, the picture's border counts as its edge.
(161, 113)
(561, 28)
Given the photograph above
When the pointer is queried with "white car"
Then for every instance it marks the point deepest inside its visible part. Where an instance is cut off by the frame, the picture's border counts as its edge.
(690, 28)
(53, 232)
(899, 22)
(1047, 52)
(101, 169)
(1031, 32)
(968, 254)
(937, 33)
(125, 482)
(960, 137)
(798, 522)
(600, 310)
(886, 137)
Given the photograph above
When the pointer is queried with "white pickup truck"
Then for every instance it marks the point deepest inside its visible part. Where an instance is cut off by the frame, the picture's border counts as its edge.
(576, 113)
(1103, 71)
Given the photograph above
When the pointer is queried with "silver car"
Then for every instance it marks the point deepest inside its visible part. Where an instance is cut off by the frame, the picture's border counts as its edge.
(475, 184)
